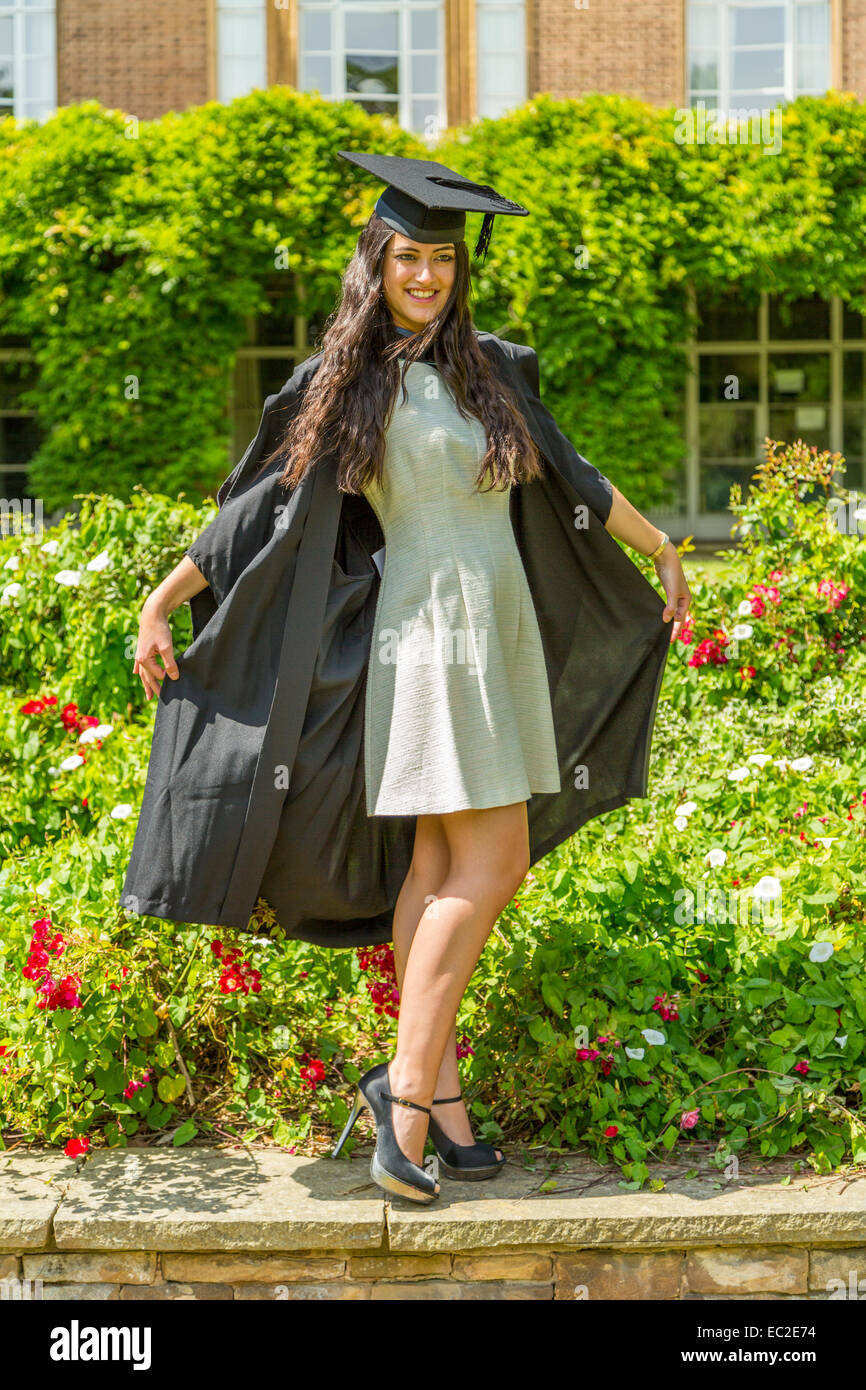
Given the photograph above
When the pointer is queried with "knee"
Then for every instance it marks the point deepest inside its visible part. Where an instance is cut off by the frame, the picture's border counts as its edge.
(496, 881)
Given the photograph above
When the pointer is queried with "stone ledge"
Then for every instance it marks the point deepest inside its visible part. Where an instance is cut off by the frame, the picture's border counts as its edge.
(204, 1199)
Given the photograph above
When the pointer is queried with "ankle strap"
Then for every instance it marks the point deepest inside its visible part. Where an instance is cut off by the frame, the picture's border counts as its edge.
(398, 1100)
(448, 1100)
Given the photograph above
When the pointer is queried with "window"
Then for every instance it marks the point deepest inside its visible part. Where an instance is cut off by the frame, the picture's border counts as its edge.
(242, 47)
(387, 57)
(28, 59)
(276, 342)
(764, 367)
(744, 54)
(501, 47)
(19, 432)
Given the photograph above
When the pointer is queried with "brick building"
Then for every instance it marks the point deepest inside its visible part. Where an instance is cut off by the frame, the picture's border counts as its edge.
(441, 62)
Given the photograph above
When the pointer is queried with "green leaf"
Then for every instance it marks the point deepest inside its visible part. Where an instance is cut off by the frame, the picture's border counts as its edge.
(186, 1132)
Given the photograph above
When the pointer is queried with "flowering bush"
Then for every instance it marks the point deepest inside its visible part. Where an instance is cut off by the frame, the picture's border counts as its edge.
(686, 976)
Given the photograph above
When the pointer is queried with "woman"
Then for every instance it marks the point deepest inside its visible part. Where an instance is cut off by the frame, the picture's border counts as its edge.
(459, 727)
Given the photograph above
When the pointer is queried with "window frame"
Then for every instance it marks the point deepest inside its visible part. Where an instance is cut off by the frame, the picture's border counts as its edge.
(706, 525)
(724, 8)
(18, 12)
(337, 52)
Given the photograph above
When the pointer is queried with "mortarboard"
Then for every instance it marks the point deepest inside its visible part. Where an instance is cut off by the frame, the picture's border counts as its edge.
(429, 202)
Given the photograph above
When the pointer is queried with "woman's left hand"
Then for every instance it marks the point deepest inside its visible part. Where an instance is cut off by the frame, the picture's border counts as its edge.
(669, 569)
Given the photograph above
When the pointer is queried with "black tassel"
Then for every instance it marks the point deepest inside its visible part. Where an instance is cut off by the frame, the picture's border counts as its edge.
(483, 242)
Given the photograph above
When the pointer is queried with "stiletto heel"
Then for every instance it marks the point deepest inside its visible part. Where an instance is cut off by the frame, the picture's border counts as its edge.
(359, 1105)
(463, 1162)
(390, 1169)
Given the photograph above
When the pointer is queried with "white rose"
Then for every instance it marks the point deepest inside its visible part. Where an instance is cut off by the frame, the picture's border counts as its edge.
(742, 631)
(745, 608)
(69, 764)
(767, 888)
(716, 858)
(681, 822)
(821, 951)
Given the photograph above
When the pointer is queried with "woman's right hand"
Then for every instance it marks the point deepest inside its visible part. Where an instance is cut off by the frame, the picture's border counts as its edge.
(154, 639)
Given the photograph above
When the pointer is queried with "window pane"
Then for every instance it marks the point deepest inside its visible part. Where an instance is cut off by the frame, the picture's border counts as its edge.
(425, 29)
(316, 75)
(810, 425)
(6, 34)
(716, 480)
(729, 317)
(381, 107)
(39, 33)
(372, 30)
(852, 439)
(238, 76)
(501, 30)
(13, 484)
(241, 35)
(703, 25)
(499, 72)
(425, 72)
(763, 24)
(5, 80)
(813, 23)
(726, 431)
(715, 369)
(370, 75)
(19, 438)
(315, 29)
(813, 69)
(799, 318)
(852, 323)
(803, 376)
(704, 72)
(244, 5)
(765, 68)
(424, 112)
(852, 375)
(275, 372)
(39, 79)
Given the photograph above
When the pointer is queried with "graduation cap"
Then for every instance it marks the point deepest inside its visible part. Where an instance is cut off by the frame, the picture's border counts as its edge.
(429, 202)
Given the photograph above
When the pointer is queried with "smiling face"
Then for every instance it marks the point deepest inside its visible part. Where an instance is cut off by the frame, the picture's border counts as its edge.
(417, 278)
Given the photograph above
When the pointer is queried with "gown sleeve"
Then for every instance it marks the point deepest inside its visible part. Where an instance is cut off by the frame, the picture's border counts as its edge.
(593, 486)
(250, 505)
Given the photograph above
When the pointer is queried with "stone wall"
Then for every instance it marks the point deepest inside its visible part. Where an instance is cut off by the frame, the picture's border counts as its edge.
(222, 1224)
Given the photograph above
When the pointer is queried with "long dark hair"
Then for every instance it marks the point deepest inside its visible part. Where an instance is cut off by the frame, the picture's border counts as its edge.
(349, 401)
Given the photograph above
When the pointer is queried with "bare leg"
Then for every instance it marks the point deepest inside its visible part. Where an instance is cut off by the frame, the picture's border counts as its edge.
(431, 860)
(489, 858)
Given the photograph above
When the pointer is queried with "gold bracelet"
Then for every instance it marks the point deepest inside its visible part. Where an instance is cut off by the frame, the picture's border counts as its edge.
(660, 547)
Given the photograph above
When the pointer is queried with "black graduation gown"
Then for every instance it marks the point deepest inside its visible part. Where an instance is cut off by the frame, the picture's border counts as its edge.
(255, 784)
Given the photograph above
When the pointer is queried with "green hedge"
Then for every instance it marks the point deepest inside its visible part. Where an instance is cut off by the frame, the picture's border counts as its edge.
(130, 263)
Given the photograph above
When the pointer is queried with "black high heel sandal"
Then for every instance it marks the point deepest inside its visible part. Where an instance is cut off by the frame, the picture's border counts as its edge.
(463, 1162)
(389, 1166)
